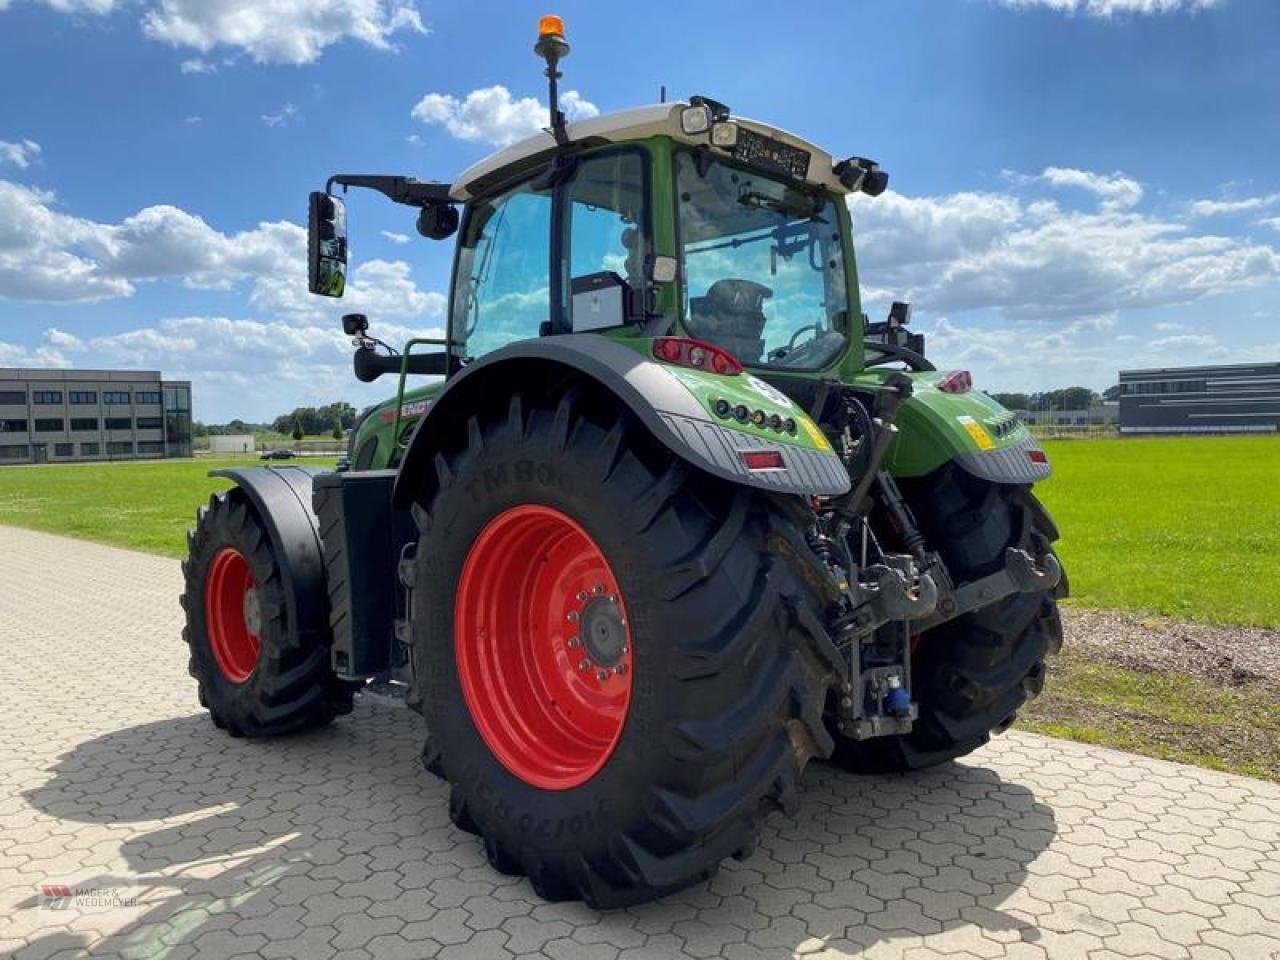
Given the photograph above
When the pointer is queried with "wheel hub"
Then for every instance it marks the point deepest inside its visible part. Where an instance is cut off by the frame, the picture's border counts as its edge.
(252, 611)
(603, 631)
(542, 646)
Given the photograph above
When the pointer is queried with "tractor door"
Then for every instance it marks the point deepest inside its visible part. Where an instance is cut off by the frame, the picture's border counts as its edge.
(536, 260)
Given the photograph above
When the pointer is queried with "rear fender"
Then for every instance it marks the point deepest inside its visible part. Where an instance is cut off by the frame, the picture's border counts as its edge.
(673, 404)
(980, 435)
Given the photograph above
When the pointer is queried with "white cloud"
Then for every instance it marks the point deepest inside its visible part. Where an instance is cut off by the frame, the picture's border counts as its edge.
(1112, 8)
(193, 121)
(491, 115)
(1115, 190)
(19, 154)
(48, 255)
(279, 31)
(1209, 208)
(396, 238)
(285, 116)
(73, 6)
(1272, 222)
(244, 368)
(63, 340)
(971, 251)
(283, 31)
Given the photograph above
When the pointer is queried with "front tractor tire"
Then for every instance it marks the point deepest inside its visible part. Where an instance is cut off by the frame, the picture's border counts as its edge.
(257, 675)
(620, 673)
(972, 674)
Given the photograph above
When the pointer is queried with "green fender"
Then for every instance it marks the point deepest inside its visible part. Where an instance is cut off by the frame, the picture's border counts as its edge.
(983, 437)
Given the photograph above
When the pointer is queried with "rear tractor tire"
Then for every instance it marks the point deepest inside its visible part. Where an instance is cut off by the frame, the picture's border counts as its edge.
(620, 673)
(258, 677)
(972, 674)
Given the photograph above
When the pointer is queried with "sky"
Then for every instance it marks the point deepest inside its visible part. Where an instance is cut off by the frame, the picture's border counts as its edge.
(1077, 186)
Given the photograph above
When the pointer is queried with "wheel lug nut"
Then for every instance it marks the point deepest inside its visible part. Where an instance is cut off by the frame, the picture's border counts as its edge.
(613, 598)
(602, 676)
(584, 664)
(572, 616)
(598, 589)
(620, 669)
(582, 596)
(574, 643)
(626, 649)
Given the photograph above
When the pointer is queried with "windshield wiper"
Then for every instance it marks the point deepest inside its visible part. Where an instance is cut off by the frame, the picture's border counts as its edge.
(762, 201)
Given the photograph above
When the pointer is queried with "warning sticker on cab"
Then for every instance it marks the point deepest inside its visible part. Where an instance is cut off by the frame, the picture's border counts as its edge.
(978, 432)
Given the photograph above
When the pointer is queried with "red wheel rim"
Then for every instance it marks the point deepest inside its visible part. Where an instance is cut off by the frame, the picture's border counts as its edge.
(231, 615)
(543, 647)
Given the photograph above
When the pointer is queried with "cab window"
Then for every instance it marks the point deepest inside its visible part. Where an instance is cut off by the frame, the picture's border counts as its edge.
(502, 292)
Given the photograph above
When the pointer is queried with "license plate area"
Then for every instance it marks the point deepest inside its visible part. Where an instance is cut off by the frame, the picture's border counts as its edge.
(767, 153)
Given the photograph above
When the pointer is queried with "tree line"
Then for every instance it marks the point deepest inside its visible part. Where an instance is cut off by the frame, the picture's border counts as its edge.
(333, 419)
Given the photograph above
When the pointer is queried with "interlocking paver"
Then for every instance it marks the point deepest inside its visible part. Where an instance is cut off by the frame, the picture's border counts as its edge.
(337, 843)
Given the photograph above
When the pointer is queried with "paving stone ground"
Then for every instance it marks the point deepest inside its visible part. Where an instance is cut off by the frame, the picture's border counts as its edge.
(177, 841)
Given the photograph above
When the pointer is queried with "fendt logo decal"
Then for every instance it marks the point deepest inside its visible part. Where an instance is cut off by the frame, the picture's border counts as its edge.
(410, 411)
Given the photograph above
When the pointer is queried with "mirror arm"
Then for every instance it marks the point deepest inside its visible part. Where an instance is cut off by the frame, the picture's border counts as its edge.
(406, 190)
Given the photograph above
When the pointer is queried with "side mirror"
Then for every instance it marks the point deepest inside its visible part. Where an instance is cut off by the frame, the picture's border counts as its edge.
(354, 324)
(326, 245)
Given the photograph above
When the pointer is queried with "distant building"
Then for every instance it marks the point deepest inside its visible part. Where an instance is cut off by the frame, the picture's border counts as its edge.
(1235, 398)
(231, 443)
(72, 415)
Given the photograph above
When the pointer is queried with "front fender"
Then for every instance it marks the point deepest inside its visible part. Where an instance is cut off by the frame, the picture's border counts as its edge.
(281, 496)
(672, 403)
(970, 428)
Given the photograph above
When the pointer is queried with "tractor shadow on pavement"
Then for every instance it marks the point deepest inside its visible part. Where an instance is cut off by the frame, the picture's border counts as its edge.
(338, 840)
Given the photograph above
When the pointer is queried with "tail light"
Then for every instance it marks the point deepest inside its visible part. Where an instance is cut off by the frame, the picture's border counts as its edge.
(696, 354)
(762, 459)
(1037, 456)
(957, 381)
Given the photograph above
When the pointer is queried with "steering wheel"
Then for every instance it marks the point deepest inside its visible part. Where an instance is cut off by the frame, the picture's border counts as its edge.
(777, 353)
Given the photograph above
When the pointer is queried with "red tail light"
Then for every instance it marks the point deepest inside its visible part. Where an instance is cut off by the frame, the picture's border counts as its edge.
(762, 459)
(1037, 456)
(697, 354)
(957, 381)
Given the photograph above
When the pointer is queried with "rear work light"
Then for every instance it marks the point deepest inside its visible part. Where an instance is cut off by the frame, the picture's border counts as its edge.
(957, 381)
(696, 354)
(762, 459)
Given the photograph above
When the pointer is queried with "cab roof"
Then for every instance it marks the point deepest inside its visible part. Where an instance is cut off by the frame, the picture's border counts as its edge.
(637, 123)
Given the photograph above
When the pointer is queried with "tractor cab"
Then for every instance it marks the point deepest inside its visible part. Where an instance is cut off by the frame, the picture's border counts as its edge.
(672, 219)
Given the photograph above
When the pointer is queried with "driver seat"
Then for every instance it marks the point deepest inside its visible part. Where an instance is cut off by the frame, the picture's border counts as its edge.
(731, 315)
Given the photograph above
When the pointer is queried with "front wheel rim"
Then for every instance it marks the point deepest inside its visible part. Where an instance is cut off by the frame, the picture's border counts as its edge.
(230, 602)
(543, 647)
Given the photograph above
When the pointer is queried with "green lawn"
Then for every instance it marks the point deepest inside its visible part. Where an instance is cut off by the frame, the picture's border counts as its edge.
(1184, 526)
(146, 505)
(1188, 527)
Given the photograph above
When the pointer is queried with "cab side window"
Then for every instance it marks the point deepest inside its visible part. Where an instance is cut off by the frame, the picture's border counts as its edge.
(502, 292)
(605, 242)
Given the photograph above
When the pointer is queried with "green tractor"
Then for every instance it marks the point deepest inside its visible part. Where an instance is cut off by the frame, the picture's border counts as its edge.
(669, 519)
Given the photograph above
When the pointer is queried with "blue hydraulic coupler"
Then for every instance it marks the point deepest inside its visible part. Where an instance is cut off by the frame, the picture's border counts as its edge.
(897, 702)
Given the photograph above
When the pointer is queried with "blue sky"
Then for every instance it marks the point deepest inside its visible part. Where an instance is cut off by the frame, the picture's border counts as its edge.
(1077, 185)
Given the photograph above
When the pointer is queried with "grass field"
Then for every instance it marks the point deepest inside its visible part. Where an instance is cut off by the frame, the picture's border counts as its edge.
(1184, 526)
(147, 505)
(1188, 527)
